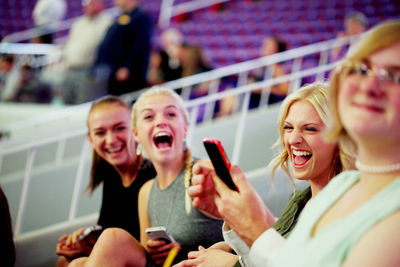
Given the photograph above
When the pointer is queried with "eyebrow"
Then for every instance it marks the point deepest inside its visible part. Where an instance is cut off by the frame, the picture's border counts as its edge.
(151, 109)
(389, 67)
(307, 124)
(121, 123)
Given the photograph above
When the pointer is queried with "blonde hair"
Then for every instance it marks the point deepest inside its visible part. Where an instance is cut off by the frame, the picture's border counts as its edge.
(315, 94)
(377, 38)
(159, 90)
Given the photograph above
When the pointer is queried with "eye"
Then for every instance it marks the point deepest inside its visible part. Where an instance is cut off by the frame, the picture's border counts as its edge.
(171, 114)
(361, 69)
(99, 133)
(147, 117)
(311, 129)
(121, 128)
(287, 127)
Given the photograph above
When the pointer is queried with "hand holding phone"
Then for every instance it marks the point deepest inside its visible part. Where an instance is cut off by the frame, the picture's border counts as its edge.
(90, 234)
(160, 233)
(220, 161)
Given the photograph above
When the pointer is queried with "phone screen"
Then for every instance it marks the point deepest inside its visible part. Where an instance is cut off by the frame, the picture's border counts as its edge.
(220, 161)
(159, 233)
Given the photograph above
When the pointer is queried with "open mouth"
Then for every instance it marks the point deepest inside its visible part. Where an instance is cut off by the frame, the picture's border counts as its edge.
(114, 149)
(163, 140)
(300, 158)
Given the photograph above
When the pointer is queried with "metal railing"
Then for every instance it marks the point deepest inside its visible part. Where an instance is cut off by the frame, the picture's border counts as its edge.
(241, 91)
(29, 34)
(192, 105)
(213, 80)
(168, 10)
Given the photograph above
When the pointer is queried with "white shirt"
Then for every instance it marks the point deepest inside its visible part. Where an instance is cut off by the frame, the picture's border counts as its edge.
(84, 37)
(261, 253)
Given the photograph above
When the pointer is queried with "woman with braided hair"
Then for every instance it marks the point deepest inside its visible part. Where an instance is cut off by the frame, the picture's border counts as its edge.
(160, 124)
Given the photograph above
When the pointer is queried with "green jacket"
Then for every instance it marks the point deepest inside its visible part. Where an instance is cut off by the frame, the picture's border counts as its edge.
(290, 214)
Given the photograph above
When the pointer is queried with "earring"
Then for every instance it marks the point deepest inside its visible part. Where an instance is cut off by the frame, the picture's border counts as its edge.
(138, 149)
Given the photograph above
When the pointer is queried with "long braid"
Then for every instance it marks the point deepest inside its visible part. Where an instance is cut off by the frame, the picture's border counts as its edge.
(187, 179)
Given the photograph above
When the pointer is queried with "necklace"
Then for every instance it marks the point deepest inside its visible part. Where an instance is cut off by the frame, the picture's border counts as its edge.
(377, 169)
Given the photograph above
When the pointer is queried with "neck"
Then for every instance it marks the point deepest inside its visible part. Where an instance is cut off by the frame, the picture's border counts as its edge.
(128, 173)
(380, 163)
(167, 172)
(317, 186)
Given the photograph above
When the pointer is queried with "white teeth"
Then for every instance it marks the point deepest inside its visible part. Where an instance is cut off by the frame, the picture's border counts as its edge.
(301, 153)
(162, 134)
(115, 149)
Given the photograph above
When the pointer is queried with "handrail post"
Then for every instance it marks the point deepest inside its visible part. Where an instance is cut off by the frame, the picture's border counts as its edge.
(192, 123)
(165, 13)
(323, 60)
(209, 108)
(78, 180)
(240, 129)
(24, 191)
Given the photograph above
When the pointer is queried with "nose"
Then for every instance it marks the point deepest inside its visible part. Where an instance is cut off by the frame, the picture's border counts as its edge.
(295, 138)
(372, 85)
(160, 121)
(110, 137)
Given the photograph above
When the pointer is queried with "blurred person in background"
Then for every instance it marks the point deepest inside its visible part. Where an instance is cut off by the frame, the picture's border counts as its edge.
(270, 46)
(166, 63)
(80, 50)
(354, 23)
(46, 15)
(123, 57)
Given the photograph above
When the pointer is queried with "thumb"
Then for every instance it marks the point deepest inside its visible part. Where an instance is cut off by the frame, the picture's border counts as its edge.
(239, 179)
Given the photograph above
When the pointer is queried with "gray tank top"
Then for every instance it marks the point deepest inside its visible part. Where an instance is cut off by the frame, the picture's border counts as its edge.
(167, 208)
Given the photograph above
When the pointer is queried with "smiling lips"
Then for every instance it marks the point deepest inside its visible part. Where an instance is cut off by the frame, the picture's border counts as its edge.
(163, 140)
(114, 150)
(300, 158)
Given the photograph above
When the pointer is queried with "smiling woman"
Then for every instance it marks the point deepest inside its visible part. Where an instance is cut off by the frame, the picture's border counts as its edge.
(160, 124)
(303, 155)
(116, 165)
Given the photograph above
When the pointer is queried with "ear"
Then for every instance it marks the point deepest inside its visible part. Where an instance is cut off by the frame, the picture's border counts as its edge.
(185, 130)
(135, 135)
(89, 138)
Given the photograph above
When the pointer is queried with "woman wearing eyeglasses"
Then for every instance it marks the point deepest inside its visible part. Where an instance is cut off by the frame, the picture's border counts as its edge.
(354, 220)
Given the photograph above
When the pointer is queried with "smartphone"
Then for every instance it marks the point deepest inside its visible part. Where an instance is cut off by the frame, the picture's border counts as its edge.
(159, 233)
(220, 161)
(90, 234)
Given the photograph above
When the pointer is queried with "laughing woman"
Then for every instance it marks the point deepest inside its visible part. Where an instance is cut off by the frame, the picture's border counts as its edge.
(116, 165)
(301, 122)
(353, 221)
(160, 124)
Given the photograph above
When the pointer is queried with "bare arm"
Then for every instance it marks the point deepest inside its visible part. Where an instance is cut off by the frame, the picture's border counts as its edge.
(144, 219)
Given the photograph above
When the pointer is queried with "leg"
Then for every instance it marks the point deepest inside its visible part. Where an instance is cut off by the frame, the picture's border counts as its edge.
(78, 262)
(62, 262)
(116, 247)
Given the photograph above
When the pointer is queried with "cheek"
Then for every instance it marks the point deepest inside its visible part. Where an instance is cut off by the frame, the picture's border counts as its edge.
(346, 91)
(97, 146)
(325, 153)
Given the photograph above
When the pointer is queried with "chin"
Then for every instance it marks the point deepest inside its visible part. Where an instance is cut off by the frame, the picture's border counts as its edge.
(301, 175)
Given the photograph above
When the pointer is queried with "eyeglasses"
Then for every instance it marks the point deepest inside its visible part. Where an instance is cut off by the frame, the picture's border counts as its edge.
(385, 75)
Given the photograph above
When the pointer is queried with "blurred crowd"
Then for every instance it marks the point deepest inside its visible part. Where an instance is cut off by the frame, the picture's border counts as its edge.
(103, 55)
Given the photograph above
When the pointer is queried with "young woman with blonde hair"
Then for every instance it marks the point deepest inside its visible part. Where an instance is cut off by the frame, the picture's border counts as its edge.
(160, 124)
(303, 155)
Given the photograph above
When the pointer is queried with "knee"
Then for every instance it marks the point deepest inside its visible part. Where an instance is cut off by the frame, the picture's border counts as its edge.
(114, 236)
(78, 262)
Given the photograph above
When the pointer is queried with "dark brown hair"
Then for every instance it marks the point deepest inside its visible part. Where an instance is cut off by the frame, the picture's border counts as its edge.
(99, 165)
